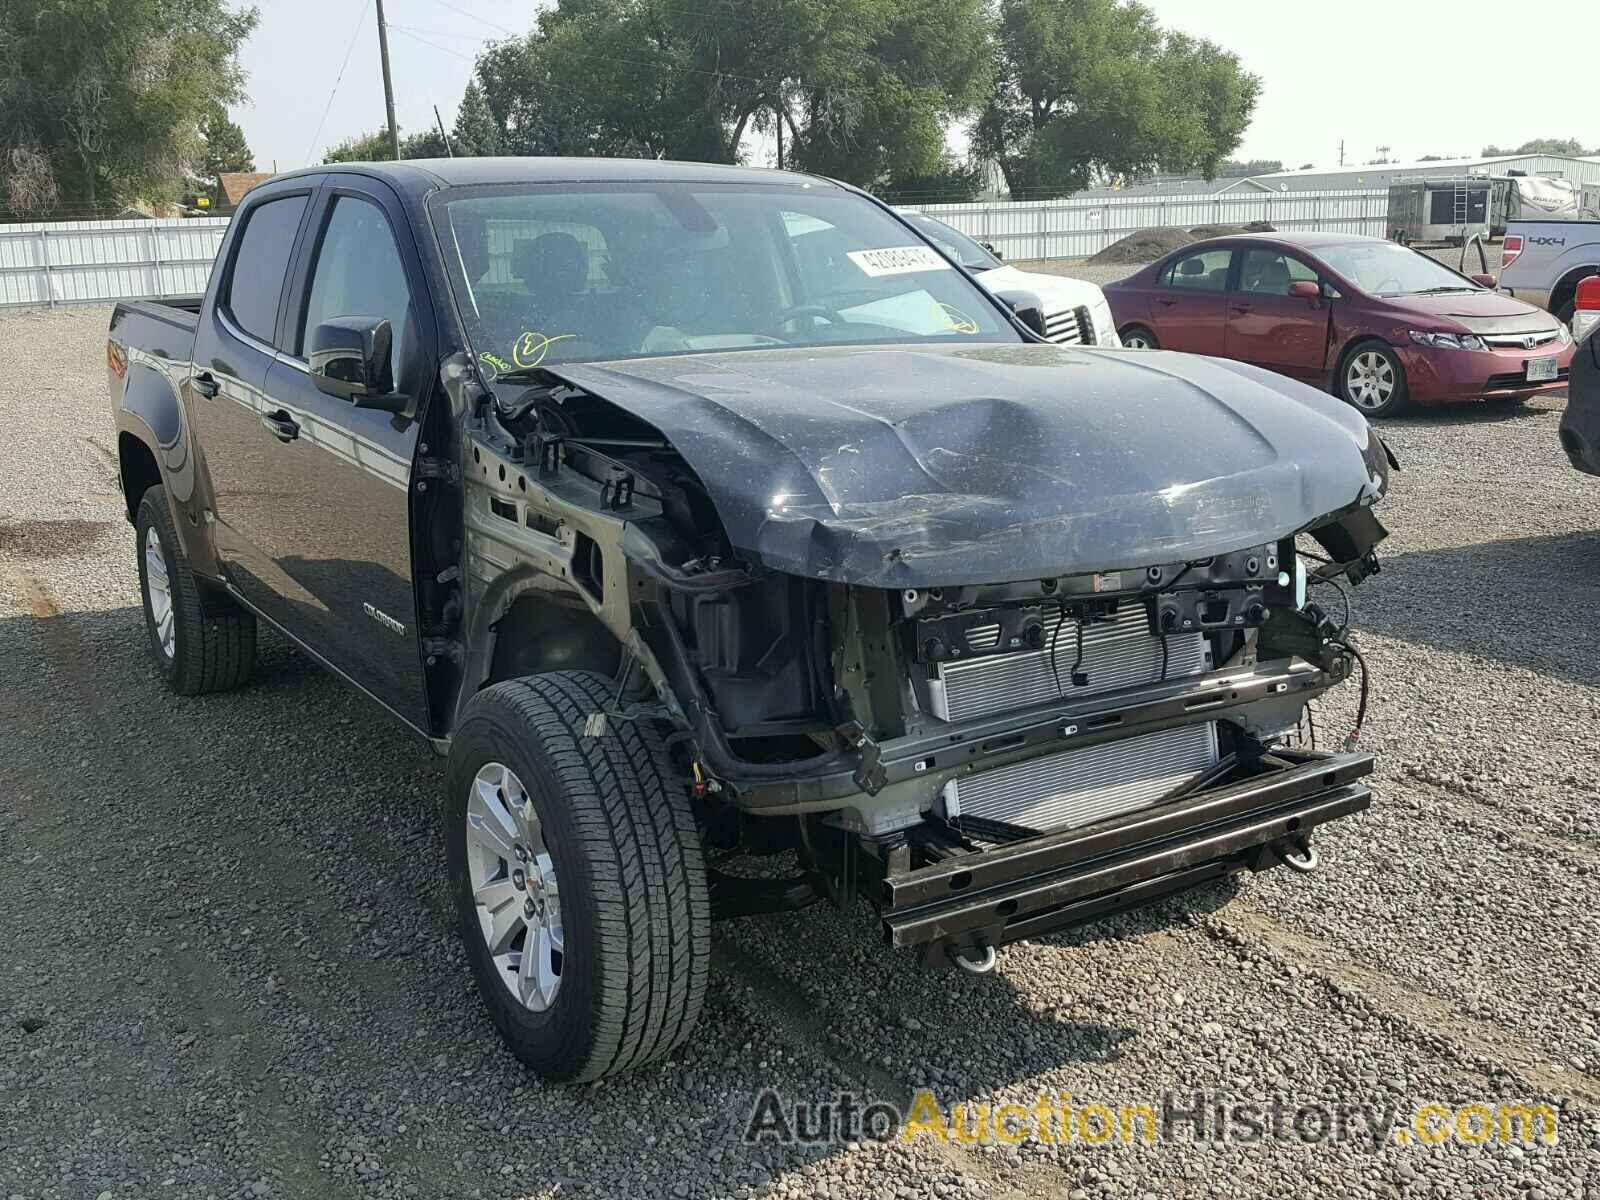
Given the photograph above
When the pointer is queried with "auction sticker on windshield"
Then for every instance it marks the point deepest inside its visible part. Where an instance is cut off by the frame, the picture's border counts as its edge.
(898, 260)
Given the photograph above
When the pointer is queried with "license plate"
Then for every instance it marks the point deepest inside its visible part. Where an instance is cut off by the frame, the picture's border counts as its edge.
(1541, 370)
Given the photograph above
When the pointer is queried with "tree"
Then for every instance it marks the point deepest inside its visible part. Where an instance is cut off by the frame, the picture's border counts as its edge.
(475, 133)
(864, 88)
(1232, 168)
(224, 149)
(374, 147)
(1095, 90)
(1570, 146)
(102, 103)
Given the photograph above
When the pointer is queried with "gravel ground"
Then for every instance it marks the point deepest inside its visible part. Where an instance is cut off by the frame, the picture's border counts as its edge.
(229, 967)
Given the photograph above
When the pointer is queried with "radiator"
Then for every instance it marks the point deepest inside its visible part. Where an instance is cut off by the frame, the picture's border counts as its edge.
(1076, 787)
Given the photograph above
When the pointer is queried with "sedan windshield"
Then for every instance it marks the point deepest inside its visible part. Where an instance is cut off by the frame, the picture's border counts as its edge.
(1385, 269)
(957, 245)
(586, 272)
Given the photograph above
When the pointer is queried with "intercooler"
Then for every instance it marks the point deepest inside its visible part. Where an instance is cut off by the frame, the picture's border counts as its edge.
(1075, 787)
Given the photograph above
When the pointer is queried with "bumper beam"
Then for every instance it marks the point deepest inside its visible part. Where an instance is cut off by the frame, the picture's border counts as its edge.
(1027, 888)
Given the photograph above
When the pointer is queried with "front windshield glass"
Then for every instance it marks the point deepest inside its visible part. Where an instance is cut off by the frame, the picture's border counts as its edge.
(1385, 269)
(585, 272)
(954, 243)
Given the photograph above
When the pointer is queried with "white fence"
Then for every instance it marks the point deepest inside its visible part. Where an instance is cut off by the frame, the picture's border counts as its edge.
(1080, 227)
(88, 262)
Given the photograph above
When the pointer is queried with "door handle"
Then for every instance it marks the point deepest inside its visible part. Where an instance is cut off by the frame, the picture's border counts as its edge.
(206, 384)
(1239, 308)
(1165, 302)
(283, 426)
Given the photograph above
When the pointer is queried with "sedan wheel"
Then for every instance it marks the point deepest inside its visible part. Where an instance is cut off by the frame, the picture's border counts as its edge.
(1374, 382)
(1139, 338)
(514, 887)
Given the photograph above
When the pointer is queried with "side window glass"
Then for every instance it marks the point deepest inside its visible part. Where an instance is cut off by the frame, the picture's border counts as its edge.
(1204, 272)
(359, 273)
(255, 283)
(1270, 272)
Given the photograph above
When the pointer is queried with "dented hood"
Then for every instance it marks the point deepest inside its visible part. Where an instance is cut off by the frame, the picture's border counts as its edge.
(899, 467)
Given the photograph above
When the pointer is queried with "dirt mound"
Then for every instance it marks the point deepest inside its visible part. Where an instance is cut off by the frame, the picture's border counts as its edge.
(1144, 245)
(1210, 231)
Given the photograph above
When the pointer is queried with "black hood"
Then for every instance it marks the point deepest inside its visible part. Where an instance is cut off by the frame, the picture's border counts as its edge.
(901, 467)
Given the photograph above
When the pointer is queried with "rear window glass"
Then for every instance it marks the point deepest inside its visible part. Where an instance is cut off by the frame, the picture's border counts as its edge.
(256, 282)
(1205, 272)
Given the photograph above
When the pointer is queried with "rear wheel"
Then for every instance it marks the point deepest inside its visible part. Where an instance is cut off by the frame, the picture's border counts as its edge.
(1372, 379)
(578, 877)
(200, 643)
(1137, 337)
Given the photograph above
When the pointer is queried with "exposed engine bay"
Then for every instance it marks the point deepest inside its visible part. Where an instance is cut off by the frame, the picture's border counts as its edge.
(891, 735)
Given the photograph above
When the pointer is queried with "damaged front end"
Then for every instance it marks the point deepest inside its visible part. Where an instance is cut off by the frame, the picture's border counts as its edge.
(988, 714)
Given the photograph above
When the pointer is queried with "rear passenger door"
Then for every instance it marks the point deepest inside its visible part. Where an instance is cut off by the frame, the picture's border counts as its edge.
(235, 347)
(1188, 307)
(341, 543)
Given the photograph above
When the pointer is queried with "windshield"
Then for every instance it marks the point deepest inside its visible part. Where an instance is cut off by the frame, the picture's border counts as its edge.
(1385, 269)
(584, 272)
(953, 242)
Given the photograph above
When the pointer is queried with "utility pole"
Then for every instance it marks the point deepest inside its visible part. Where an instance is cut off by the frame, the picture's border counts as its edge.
(388, 83)
(443, 136)
(1341, 152)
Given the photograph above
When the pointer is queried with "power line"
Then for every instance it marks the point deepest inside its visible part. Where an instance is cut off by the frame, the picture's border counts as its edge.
(337, 79)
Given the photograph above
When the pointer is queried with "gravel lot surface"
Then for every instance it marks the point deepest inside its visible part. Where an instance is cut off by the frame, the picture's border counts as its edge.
(228, 966)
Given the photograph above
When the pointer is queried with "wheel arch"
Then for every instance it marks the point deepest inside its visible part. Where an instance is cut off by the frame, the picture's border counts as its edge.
(1566, 287)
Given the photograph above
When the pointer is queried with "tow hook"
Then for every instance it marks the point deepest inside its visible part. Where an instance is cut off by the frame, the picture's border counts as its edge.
(1298, 856)
(981, 966)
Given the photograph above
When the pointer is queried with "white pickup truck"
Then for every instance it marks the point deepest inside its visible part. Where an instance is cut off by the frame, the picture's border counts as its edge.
(1542, 262)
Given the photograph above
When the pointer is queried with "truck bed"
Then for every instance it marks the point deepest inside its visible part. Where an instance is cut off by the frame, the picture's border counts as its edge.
(164, 328)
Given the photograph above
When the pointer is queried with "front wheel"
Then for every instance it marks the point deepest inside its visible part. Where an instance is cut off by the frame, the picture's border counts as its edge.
(1373, 380)
(1137, 337)
(578, 877)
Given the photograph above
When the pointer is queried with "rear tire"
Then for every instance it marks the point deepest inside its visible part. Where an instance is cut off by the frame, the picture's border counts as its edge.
(1372, 380)
(1139, 337)
(609, 968)
(200, 643)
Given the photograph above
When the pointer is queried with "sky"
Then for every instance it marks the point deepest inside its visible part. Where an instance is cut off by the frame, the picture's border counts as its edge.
(1383, 73)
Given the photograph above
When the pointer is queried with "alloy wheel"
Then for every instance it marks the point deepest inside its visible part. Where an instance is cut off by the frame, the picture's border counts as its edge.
(158, 585)
(1135, 341)
(1370, 380)
(513, 880)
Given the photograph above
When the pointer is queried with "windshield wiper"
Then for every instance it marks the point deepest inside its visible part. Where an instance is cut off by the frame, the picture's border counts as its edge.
(1437, 291)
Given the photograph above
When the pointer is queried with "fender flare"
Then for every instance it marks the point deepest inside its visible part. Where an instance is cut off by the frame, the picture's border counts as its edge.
(150, 413)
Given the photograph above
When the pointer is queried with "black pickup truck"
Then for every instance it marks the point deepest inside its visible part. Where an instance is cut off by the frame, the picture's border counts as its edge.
(709, 512)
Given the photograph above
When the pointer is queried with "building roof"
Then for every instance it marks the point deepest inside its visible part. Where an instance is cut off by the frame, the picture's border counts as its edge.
(235, 184)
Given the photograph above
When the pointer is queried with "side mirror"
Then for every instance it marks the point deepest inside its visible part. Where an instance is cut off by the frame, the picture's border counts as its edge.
(989, 246)
(1488, 281)
(1028, 308)
(351, 359)
(1305, 289)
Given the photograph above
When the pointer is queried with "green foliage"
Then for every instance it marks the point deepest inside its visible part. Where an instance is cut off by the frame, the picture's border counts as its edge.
(102, 103)
(476, 133)
(865, 87)
(374, 147)
(1569, 146)
(1095, 91)
(1232, 168)
(223, 149)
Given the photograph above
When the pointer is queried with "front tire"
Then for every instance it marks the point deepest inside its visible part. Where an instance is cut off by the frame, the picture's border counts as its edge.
(196, 650)
(578, 877)
(1372, 380)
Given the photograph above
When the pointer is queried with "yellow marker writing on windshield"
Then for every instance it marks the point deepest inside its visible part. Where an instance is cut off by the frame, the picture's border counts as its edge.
(532, 347)
(959, 321)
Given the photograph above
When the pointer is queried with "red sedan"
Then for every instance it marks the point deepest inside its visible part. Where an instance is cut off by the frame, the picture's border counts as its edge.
(1380, 325)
